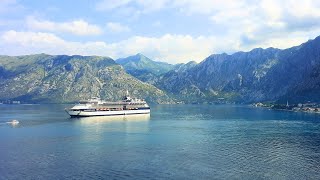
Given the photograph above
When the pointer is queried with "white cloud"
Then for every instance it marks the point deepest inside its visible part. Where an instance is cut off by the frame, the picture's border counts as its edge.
(18, 43)
(30, 38)
(305, 8)
(248, 23)
(77, 27)
(244, 15)
(269, 21)
(272, 8)
(117, 27)
(170, 47)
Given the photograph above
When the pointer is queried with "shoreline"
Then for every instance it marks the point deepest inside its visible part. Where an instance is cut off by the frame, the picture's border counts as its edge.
(313, 108)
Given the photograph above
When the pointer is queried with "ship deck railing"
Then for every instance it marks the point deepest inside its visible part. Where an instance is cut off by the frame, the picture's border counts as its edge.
(114, 103)
(123, 103)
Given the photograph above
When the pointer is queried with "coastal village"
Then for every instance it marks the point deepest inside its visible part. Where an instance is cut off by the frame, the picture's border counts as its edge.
(309, 107)
(10, 102)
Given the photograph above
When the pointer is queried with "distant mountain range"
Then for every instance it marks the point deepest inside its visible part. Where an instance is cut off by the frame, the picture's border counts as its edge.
(271, 74)
(259, 75)
(56, 79)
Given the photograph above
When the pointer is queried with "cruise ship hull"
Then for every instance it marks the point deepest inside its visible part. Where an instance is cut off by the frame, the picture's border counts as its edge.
(80, 113)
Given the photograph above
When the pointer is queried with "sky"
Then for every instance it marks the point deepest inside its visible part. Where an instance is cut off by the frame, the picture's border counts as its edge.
(173, 31)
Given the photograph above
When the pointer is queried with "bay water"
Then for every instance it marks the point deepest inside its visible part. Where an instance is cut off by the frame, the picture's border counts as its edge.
(173, 142)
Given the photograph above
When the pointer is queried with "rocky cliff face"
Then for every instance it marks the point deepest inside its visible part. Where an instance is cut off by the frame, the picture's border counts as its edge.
(259, 75)
(184, 67)
(45, 78)
(306, 91)
(305, 63)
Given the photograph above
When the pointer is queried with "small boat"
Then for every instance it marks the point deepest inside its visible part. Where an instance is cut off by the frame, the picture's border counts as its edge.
(97, 107)
(13, 122)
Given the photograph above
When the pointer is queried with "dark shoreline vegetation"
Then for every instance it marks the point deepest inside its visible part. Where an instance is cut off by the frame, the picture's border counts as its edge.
(301, 107)
(260, 75)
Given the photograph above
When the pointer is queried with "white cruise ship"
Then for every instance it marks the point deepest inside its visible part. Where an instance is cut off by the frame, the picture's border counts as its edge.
(97, 107)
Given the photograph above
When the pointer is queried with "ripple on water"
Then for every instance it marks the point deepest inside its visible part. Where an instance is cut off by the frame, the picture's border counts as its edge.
(187, 142)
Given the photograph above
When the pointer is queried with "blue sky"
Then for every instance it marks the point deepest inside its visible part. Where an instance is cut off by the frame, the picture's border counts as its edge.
(172, 31)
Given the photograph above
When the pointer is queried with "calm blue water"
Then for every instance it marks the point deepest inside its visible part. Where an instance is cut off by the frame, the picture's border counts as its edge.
(175, 142)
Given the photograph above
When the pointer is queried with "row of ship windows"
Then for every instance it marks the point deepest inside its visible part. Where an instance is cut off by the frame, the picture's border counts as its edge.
(110, 109)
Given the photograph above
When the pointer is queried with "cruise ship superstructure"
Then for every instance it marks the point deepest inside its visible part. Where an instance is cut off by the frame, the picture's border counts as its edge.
(97, 107)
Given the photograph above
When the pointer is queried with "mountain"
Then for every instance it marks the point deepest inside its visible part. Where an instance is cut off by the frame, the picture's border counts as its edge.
(271, 74)
(143, 68)
(56, 79)
(307, 90)
(307, 66)
(259, 75)
(143, 63)
(181, 67)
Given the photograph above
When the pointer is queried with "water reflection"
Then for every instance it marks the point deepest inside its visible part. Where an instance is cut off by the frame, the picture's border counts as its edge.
(106, 124)
(108, 119)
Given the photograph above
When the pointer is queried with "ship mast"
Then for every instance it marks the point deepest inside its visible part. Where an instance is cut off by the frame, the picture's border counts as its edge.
(126, 97)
